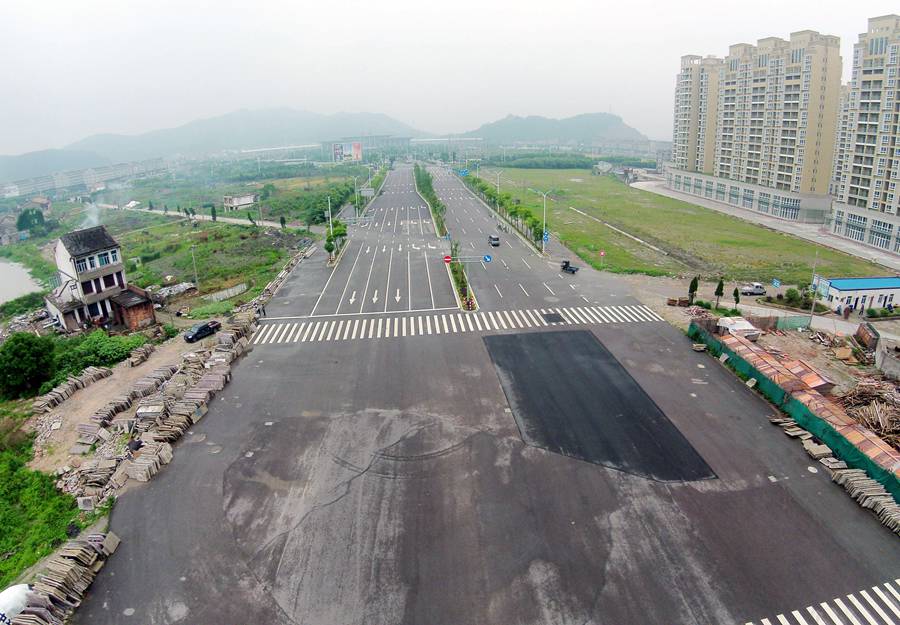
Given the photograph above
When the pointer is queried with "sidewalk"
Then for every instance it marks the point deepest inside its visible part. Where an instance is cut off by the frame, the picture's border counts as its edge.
(810, 232)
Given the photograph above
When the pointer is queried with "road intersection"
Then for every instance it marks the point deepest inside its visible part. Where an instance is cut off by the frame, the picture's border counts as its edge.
(559, 456)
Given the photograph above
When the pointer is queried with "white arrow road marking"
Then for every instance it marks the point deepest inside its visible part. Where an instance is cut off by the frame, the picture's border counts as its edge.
(397, 296)
(416, 247)
(472, 244)
(353, 297)
(432, 247)
(383, 249)
(375, 297)
(368, 248)
(400, 248)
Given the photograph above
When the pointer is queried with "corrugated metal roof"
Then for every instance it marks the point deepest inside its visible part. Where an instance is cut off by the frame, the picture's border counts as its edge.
(865, 284)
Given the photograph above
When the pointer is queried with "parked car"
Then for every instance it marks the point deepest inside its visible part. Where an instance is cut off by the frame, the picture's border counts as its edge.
(201, 330)
(494, 240)
(754, 288)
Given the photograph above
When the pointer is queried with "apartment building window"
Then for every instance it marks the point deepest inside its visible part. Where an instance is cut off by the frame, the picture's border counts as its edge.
(677, 184)
(897, 243)
(698, 186)
(747, 201)
(103, 258)
(708, 192)
(81, 265)
(856, 227)
(880, 234)
(838, 221)
(764, 199)
(720, 192)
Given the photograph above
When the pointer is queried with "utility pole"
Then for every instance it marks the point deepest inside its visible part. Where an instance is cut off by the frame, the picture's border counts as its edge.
(815, 291)
(544, 229)
(356, 194)
(330, 226)
(194, 260)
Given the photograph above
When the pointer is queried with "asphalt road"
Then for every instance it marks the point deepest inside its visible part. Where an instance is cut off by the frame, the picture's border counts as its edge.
(358, 481)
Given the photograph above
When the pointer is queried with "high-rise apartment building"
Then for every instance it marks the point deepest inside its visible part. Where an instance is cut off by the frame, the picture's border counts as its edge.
(866, 194)
(769, 112)
(696, 106)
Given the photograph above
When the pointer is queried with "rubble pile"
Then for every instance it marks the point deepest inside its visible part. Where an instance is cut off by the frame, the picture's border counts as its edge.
(66, 577)
(698, 312)
(46, 403)
(140, 354)
(137, 446)
(870, 495)
(875, 404)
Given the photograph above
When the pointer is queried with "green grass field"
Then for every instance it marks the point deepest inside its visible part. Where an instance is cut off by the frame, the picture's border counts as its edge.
(697, 240)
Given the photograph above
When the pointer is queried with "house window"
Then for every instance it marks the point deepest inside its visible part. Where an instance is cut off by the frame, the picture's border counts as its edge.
(87, 287)
(109, 280)
(114, 255)
(92, 262)
(81, 265)
(103, 259)
(94, 310)
(119, 280)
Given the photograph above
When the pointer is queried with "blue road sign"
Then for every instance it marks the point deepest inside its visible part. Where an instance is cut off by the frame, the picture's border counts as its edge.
(776, 282)
(447, 236)
(463, 172)
(487, 258)
(546, 236)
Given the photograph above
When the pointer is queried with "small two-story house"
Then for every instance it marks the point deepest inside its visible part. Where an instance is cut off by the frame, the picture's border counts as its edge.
(92, 285)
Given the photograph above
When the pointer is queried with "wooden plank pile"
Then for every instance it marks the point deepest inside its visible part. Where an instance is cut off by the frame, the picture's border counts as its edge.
(66, 577)
(46, 403)
(870, 495)
(140, 354)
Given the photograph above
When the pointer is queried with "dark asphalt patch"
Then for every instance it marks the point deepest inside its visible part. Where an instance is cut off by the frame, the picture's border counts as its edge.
(570, 395)
(553, 318)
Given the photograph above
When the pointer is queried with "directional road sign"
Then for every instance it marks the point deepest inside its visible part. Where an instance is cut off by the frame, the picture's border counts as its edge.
(546, 236)
(487, 258)
(447, 259)
(776, 282)
(463, 172)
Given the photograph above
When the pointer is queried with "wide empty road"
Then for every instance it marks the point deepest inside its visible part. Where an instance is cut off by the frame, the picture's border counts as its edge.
(567, 461)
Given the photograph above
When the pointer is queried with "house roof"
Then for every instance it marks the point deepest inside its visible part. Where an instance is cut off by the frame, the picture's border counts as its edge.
(129, 298)
(81, 242)
(865, 284)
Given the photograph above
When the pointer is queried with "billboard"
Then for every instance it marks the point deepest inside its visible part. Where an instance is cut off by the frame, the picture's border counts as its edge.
(342, 152)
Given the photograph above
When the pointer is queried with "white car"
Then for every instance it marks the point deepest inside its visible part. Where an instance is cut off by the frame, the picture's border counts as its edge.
(754, 288)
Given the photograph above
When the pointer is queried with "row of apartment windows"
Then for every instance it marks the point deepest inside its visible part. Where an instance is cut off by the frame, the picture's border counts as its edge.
(100, 260)
(880, 234)
(775, 205)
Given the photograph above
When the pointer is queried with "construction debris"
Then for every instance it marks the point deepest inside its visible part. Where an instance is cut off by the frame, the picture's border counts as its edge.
(875, 404)
(870, 495)
(66, 577)
(46, 403)
(140, 354)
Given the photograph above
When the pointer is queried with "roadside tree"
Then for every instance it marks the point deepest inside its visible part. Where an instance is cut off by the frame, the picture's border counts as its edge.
(26, 362)
(720, 291)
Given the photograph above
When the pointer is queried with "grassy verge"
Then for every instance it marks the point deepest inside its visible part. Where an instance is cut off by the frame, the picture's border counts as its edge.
(696, 240)
(425, 188)
(34, 516)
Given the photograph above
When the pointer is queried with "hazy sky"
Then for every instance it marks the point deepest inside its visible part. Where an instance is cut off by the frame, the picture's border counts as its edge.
(71, 69)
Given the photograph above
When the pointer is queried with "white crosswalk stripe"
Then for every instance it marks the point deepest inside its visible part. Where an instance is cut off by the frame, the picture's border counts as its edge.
(406, 325)
(878, 605)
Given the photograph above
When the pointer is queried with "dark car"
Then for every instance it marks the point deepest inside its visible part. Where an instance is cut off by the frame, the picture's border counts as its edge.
(201, 330)
(494, 240)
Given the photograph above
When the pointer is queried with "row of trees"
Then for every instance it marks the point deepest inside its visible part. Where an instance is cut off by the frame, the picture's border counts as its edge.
(544, 161)
(32, 220)
(518, 214)
(719, 292)
(426, 189)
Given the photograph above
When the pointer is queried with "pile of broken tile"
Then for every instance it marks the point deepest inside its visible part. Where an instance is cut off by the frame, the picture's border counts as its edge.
(179, 399)
(866, 491)
(67, 575)
(140, 354)
(49, 401)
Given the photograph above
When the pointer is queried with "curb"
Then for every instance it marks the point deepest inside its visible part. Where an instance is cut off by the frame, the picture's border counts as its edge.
(427, 203)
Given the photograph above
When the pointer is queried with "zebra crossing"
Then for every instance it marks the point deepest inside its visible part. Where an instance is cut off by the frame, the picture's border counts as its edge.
(879, 605)
(317, 329)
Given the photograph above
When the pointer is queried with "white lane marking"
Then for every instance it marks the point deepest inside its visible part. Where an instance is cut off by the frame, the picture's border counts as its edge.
(584, 318)
(492, 320)
(590, 315)
(847, 613)
(307, 333)
(586, 300)
(639, 313)
(368, 278)
(504, 263)
(387, 286)
(346, 331)
(799, 617)
(548, 288)
(831, 614)
(349, 277)
(387, 328)
(523, 290)
(623, 310)
(325, 327)
(452, 323)
(403, 328)
(462, 323)
(420, 326)
(337, 332)
(428, 324)
(296, 338)
(287, 336)
(539, 318)
(599, 310)
(437, 325)
(652, 313)
(428, 272)
(526, 263)
(498, 291)
(468, 319)
(372, 328)
(355, 328)
(444, 322)
(380, 324)
(782, 620)
(512, 325)
(815, 616)
(330, 330)
(477, 321)
(518, 320)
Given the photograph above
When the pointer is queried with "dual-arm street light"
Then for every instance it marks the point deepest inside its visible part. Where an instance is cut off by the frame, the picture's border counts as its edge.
(544, 229)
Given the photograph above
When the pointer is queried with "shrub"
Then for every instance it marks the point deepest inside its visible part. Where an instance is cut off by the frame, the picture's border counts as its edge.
(769, 298)
(792, 297)
(26, 361)
(871, 312)
(170, 330)
(780, 297)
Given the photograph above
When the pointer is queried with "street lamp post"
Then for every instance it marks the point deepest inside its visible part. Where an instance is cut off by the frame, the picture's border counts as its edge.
(194, 261)
(544, 229)
(356, 194)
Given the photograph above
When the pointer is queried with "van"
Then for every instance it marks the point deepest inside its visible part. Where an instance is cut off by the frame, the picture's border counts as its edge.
(494, 240)
(754, 288)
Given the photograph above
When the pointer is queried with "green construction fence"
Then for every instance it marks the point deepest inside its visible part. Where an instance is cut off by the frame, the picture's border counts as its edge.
(799, 412)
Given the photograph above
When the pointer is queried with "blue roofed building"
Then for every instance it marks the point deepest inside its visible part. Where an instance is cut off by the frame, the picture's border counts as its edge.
(859, 293)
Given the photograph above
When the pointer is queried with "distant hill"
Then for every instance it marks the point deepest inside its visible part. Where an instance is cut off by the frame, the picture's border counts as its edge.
(33, 164)
(242, 129)
(585, 128)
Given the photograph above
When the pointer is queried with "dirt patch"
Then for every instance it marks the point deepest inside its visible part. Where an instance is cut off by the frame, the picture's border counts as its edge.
(79, 408)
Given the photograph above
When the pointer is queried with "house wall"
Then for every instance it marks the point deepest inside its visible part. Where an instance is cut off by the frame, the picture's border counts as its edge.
(138, 317)
(836, 298)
